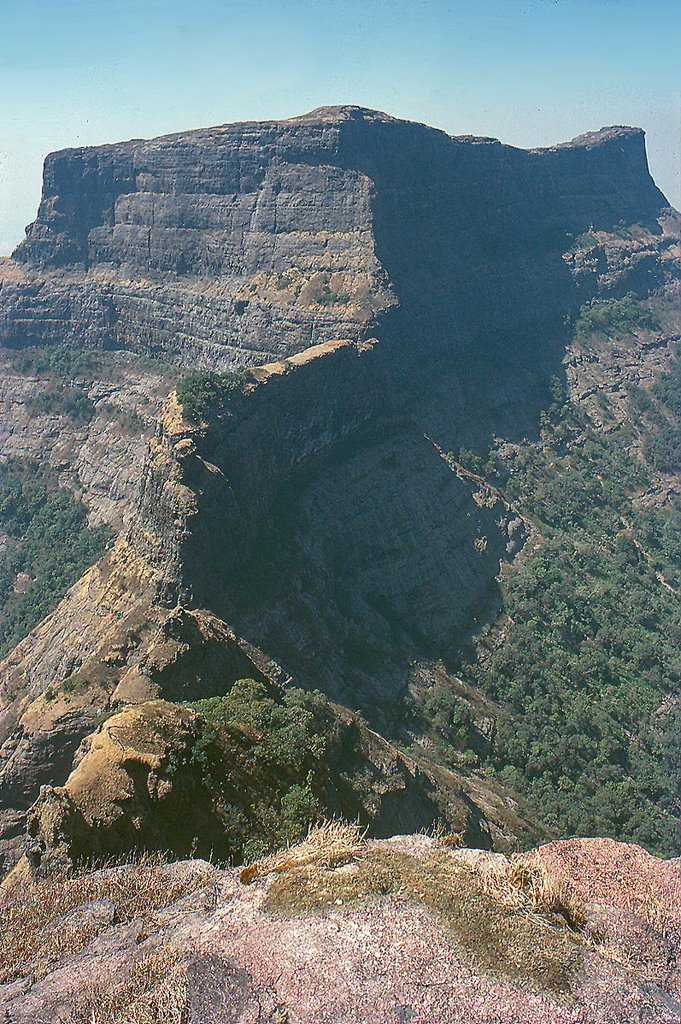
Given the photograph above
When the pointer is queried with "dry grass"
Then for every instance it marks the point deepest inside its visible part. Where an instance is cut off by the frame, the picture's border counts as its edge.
(444, 836)
(514, 919)
(35, 926)
(328, 845)
(514, 925)
(648, 905)
(155, 992)
(525, 884)
(441, 834)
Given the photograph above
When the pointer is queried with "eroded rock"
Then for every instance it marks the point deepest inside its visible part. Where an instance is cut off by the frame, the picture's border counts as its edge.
(407, 930)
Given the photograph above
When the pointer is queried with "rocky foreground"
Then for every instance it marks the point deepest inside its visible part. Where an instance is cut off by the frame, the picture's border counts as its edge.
(340, 930)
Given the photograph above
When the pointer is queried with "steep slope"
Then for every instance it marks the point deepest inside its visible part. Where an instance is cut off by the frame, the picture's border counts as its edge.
(246, 242)
(401, 297)
(583, 664)
(112, 642)
(73, 435)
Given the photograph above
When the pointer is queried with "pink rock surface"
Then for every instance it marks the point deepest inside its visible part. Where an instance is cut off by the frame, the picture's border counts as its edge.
(388, 959)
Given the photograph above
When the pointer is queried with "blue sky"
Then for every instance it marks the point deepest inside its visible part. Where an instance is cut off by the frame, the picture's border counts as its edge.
(81, 72)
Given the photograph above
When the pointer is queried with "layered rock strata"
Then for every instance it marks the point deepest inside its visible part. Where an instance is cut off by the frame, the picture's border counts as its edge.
(399, 294)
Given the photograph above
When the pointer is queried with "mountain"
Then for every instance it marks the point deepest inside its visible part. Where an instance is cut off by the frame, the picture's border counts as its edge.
(345, 405)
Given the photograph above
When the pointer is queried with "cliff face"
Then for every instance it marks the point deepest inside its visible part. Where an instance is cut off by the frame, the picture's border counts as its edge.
(98, 454)
(400, 295)
(341, 539)
(456, 256)
(245, 242)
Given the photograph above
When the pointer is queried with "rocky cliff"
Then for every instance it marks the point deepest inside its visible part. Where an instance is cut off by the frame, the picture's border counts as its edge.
(246, 242)
(97, 455)
(399, 296)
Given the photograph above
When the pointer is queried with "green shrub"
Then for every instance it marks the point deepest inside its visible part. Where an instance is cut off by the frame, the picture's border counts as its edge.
(663, 442)
(290, 733)
(204, 394)
(57, 360)
(63, 401)
(327, 297)
(668, 387)
(663, 449)
(450, 717)
(470, 460)
(261, 755)
(612, 317)
(299, 809)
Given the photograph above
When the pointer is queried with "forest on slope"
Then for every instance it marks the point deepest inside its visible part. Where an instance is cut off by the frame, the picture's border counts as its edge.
(584, 664)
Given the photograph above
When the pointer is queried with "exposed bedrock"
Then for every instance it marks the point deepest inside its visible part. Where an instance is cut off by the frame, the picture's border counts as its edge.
(247, 242)
(339, 535)
(413, 287)
(393, 930)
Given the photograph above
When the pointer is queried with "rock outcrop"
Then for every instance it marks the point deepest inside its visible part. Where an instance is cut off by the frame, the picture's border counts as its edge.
(341, 517)
(98, 457)
(157, 776)
(243, 243)
(405, 929)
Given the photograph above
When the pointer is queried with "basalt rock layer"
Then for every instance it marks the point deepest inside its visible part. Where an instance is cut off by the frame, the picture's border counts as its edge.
(247, 242)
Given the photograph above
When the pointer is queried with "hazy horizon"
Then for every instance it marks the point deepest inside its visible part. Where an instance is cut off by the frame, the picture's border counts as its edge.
(531, 74)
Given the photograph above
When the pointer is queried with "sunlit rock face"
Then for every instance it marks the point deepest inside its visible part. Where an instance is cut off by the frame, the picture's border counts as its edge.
(244, 242)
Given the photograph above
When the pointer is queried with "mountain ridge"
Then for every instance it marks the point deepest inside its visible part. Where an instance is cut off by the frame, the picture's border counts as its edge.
(402, 303)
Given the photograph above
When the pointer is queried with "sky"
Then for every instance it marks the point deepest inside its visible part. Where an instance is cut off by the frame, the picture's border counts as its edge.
(529, 72)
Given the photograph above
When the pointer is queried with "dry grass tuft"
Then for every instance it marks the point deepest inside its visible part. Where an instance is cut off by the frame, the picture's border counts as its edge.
(452, 840)
(328, 845)
(499, 929)
(443, 836)
(155, 992)
(45, 920)
(525, 884)
(648, 905)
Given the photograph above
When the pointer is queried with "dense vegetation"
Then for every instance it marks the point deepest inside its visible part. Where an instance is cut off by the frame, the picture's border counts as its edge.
(48, 540)
(59, 365)
(203, 394)
(261, 758)
(591, 651)
(612, 317)
(65, 362)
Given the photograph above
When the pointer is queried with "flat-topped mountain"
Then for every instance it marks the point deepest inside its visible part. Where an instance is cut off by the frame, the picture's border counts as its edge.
(367, 409)
(246, 242)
